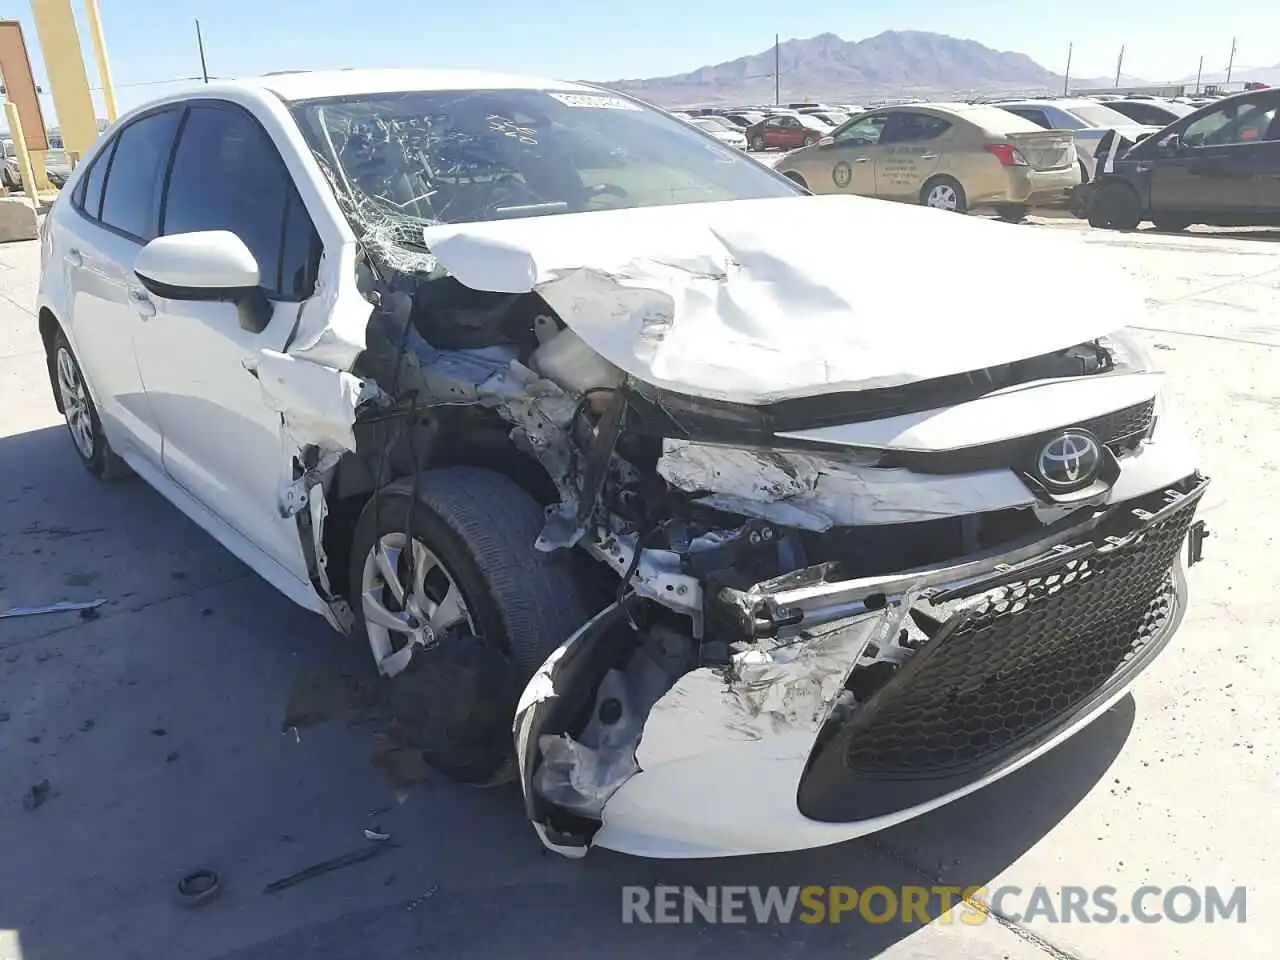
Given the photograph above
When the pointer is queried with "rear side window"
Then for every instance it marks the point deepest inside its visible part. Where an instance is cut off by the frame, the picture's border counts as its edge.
(88, 198)
(135, 175)
(227, 175)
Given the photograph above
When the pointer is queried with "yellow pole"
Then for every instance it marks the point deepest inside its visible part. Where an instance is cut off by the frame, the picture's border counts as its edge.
(25, 170)
(100, 54)
(68, 80)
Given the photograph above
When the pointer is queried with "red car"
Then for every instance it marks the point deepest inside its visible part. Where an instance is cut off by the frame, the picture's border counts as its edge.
(786, 131)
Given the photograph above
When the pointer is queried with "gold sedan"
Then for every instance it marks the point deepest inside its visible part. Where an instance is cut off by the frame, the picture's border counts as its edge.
(954, 156)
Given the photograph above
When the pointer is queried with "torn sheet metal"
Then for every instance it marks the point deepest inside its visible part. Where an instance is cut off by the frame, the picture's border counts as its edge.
(816, 492)
(769, 690)
(62, 606)
(331, 324)
(317, 403)
(753, 301)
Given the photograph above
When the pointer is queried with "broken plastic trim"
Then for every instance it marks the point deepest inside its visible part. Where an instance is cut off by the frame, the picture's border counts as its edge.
(808, 598)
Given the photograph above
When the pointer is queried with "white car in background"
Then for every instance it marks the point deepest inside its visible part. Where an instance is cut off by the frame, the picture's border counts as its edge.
(722, 130)
(1088, 119)
(653, 496)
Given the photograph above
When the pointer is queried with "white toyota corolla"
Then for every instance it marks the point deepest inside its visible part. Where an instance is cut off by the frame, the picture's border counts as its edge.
(767, 520)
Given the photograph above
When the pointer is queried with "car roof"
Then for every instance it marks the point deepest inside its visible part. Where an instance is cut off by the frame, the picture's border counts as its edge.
(320, 84)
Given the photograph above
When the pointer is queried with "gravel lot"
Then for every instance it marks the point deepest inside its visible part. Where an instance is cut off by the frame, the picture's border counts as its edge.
(158, 724)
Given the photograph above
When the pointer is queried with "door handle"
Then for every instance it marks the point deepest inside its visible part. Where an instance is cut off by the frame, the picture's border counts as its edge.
(142, 303)
(861, 159)
(928, 156)
(74, 258)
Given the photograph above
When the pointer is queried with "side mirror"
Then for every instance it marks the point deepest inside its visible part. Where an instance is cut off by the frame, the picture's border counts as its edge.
(210, 265)
(827, 141)
(1173, 145)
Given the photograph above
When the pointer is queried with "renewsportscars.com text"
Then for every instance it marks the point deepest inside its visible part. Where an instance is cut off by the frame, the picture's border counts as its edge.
(922, 905)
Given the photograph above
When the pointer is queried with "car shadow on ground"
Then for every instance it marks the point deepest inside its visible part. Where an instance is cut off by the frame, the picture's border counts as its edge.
(158, 725)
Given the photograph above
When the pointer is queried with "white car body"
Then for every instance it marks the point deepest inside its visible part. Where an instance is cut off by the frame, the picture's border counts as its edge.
(1088, 119)
(245, 405)
(721, 130)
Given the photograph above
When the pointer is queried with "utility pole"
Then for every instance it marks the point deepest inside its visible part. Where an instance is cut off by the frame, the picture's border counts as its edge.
(1066, 77)
(204, 69)
(777, 66)
(1232, 61)
(1119, 64)
(1199, 73)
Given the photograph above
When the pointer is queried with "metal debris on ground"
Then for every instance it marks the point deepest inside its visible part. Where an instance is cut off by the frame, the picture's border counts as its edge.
(327, 866)
(376, 835)
(37, 794)
(418, 901)
(198, 887)
(64, 606)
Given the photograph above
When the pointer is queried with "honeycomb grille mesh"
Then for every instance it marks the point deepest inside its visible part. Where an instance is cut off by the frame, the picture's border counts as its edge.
(1023, 656)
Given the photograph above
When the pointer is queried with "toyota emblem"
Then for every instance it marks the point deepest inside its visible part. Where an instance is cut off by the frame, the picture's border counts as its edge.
(1069, 460)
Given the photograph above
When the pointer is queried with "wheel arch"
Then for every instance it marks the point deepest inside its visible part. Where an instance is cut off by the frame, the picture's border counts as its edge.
(49, 329)
(355, 479)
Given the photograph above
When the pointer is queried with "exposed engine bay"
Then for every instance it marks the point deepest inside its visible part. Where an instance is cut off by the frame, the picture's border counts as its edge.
(727, 529)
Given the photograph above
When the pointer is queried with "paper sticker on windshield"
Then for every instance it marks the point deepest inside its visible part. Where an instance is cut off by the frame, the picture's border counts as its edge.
(599, 101)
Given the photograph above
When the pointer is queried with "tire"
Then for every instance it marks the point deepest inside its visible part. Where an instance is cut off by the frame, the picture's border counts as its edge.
(459, 694)
(76, 405)
(1115, 207)
(810, 140)
(944, 193)
(1170, 224)
(758, 144)
(1013, 212)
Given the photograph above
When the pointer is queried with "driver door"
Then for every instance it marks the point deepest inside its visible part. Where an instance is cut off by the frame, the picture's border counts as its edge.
(221, 442)
(1218, 164)
(851, 156)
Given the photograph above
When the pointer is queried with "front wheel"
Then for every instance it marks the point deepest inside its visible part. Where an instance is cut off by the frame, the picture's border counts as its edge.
(1115, 207)
(758, 144)
(810, 140)
(944, 193)
(460, 609)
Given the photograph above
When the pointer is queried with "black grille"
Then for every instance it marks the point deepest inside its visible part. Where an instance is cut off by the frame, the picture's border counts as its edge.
(1113, 429)
(997, 676)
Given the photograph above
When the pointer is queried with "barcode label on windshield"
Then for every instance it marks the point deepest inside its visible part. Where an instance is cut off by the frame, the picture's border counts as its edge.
(599, 101)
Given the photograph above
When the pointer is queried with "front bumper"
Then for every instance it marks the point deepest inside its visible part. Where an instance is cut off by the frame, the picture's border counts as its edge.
(1018, 653)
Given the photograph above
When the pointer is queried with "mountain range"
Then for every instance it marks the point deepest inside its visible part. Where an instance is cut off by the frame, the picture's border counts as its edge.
(897, 63)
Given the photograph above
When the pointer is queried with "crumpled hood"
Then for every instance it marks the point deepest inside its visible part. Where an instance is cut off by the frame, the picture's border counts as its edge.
(760, 300)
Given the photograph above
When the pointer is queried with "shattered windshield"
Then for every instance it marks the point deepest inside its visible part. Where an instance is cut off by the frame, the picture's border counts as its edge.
(462, 156)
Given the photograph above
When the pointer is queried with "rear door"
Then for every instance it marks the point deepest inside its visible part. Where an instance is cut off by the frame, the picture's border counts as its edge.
(910, 152)
(114, 211)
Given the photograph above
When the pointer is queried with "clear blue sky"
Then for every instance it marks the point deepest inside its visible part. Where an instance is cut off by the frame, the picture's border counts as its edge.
(598, 39)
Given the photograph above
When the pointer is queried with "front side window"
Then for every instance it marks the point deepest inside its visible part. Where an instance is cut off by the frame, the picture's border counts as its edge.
(227, 175)
(470, 155)
(135, 176)
(862, 133)
(1234, 123)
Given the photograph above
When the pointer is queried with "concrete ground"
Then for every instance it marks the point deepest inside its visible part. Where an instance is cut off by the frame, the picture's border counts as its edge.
(158, 725)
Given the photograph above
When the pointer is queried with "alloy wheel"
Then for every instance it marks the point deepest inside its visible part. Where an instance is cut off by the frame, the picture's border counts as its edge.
(75, 403)
(409, 599)
(943, 197)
